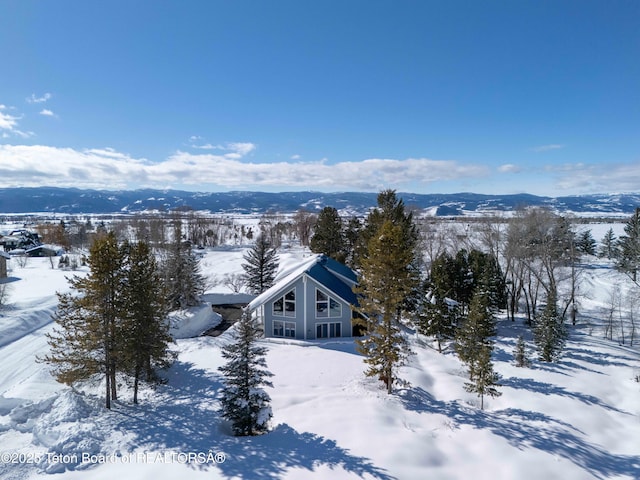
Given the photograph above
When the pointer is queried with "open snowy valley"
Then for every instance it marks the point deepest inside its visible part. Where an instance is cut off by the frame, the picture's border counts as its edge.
(575, 419)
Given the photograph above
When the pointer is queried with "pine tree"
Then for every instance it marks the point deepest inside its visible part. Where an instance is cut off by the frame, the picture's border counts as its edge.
(261, 266)
(84, 342)
(438, 319)
(476, 330)
(629, 247)
(609, 247)
(352, 242)
(549, 332)
(328, 236)
(385, 282)
(183, 282)
(520, 353)
(391, 209)
(144, 335)
(483, 380)
(244, 401)
(586, 243)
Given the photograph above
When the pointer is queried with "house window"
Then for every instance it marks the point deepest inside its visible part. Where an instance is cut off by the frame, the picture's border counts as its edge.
(285, 306)
(284, 329)
(328, 330)
(327, 306)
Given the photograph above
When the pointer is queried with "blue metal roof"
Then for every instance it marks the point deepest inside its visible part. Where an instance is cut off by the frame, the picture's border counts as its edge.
(338, 268)
(332, 283)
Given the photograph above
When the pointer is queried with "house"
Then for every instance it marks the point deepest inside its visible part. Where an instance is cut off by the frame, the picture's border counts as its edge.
(3, 264)
(312, 301)
(44, 251)
(19, 239)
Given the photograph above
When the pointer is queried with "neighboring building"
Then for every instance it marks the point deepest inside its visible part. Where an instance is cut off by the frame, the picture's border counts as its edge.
(19, 239)
(312, 301)
(44, 251)
(4, 257)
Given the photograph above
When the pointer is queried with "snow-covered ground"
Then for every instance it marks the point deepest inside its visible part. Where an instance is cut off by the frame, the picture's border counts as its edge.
(577, 419)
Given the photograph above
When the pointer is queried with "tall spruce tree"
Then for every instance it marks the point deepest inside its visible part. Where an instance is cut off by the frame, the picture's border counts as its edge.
(144, 334)
(386, 278)
(476, 330)
(328, 236)
(261, 265)
(629, 247)
(474, 345)
(183, 281)
(391, 209)
(549, 332)
(244, 402)
(84, 341)
(609, 246)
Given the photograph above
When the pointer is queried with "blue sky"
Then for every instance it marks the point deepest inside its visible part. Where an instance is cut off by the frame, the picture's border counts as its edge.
(423, 96)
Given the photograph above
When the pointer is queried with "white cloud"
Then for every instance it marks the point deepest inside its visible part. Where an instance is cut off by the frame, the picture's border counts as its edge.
(7, 122)
(547, 148)
(35, 165)
(47, 113)
(509, 168)
(34, 99)
(598, 178)
(296, 157)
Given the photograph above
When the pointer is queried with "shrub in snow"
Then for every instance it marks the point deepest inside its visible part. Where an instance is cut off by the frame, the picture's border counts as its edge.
(520, 353)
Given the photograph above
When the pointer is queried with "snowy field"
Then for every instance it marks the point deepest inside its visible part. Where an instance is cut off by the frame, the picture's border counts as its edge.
(574, 420)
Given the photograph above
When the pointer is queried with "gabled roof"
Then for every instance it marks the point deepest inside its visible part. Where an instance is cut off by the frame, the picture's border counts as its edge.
(329, 273)
(332, 283)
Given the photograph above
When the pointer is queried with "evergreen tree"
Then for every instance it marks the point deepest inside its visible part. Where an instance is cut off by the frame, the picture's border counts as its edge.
(476, 330)
(183, 282)
(629, 247)
(520, 353)
(442, 276)
(386, 279)
(483, 380)
(144, 334)
(261, 265)
(438, 319)
(328, 236)
(549, 332)
(609, 247)
(352, 242)
(586, 243)
(84, 342)
(463, 279)
(392, 210)
(486, 271)
(244, 401)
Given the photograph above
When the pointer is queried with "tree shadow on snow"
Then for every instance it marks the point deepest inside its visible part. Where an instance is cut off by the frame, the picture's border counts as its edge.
(525, 429)
(185, 419)
(598, 358)
(550, 389)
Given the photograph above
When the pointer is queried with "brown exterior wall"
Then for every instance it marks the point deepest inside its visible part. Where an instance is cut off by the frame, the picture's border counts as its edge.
(3, 267)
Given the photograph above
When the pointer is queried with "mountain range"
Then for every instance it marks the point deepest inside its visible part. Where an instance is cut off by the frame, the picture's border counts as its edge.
(78, 201)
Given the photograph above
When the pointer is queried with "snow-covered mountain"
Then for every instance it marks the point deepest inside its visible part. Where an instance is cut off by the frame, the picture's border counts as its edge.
(72, 200)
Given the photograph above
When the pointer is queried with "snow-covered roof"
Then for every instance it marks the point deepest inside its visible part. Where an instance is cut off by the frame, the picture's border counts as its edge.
(324, 270)
(5, 255)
